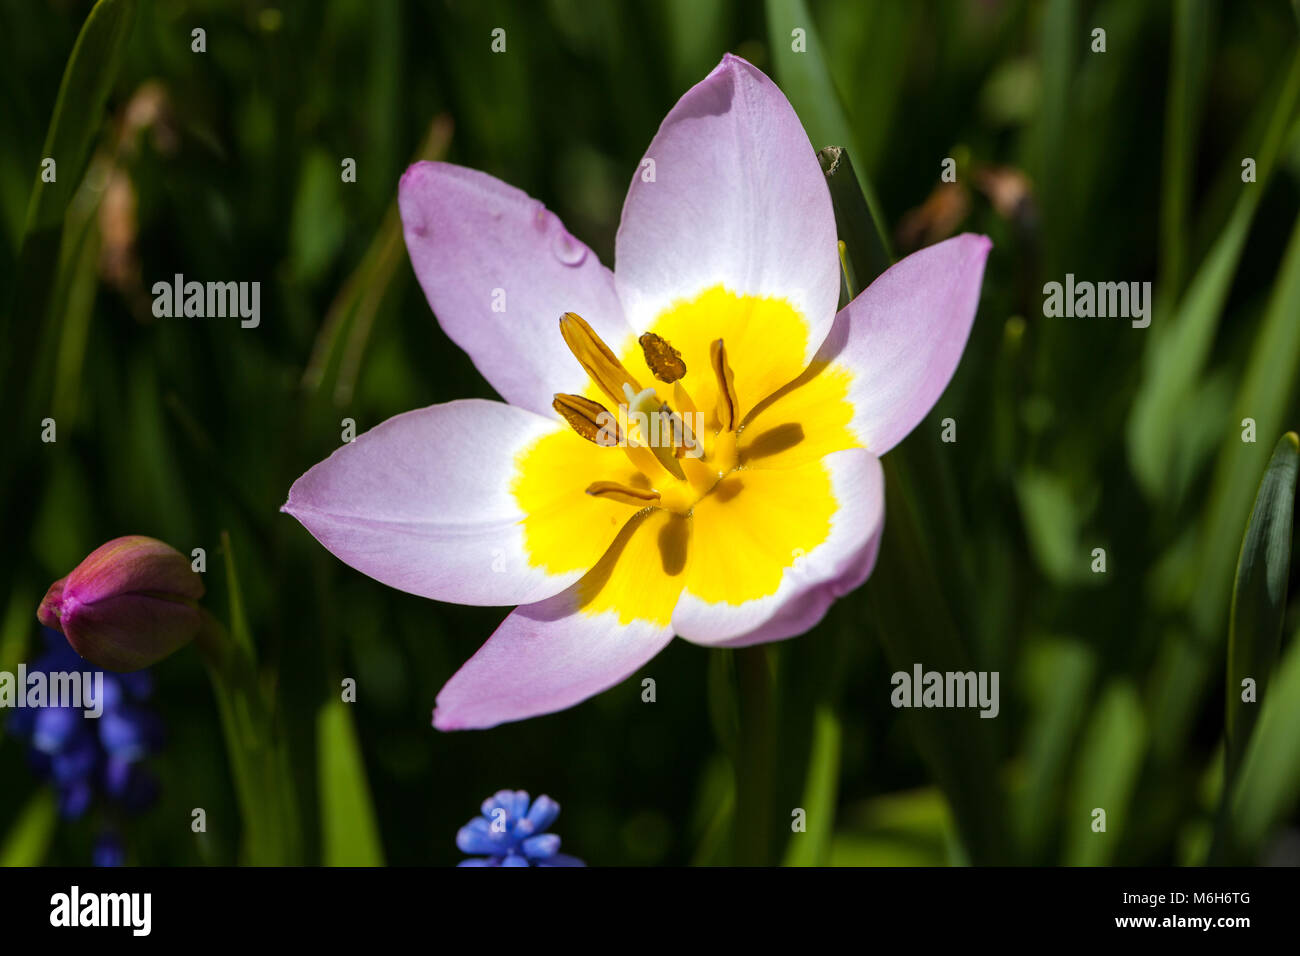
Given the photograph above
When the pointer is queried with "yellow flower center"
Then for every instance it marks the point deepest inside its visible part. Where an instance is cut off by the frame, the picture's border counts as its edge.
(702, 438)
(678, 458)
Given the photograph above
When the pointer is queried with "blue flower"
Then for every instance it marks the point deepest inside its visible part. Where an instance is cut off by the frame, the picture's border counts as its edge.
(85, 756)
(109, 850)
(512, 833)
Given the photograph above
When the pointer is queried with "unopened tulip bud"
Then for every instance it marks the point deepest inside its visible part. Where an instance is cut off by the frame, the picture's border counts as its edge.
(129, 604)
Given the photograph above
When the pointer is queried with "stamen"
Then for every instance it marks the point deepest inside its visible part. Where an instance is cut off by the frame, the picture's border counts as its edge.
(637, 497)
(682, 399)
(596, 357)
(664, 360)
(728, 404)
(589, 419)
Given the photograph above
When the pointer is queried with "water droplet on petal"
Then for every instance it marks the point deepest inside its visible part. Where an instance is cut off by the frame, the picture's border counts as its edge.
(567, 249)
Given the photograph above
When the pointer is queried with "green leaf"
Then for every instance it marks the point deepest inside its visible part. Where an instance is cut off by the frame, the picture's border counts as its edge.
(78, 114)
(910, 610)
(715, 806)
(807, 83)
(1054, 519)
(1259, 594)
(860, 259)
(1179, 344)
(1104, 777)
(1186, 80)
(1058, 681)
(87, 81)
(316, 230)
(914, 828)
(821, 786)
(15, 627)
(258, 759)
(349, 830)
(1060, 39)
(1269, 779)
(696, 29)
(1268, 385)
(341, 343)
(29, 838)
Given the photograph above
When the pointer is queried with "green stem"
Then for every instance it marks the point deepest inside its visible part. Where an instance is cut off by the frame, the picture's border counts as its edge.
(257, 759)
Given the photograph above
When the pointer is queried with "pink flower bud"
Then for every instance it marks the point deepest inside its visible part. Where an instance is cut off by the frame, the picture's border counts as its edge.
(129, 604)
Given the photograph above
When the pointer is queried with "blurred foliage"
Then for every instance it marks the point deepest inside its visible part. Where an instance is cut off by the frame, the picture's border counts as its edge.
(1073, 434)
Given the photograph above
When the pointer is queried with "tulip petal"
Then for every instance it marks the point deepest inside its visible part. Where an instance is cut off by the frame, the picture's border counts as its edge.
(133, 563)
(52, 604)
(553, 654)
(737, 199)
(902, 337)
(544, 658)
(810, 582)
(423, 503)
(499, 270)
(804, 610)
(126, 632)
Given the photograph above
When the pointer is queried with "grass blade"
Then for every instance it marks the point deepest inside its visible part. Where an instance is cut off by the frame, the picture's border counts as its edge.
(87, 80)
(29, 837)
(1259, 594)
(1186, 76)
(1176, 356)
(1269, 780)
(349, 829)
(807, 83)
(1110, 757)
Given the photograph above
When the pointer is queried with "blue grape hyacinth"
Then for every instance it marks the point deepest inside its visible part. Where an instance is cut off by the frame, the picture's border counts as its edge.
(511, 832)
(87, 756)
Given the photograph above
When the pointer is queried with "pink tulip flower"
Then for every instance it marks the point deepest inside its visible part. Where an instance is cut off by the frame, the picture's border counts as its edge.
(689, 444)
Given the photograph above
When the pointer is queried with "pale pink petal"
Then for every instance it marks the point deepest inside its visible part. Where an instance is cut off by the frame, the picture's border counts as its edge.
(811, 583)
(544, 658)
(738, 199)
(422, 503)
(499, 270)
(903, 336)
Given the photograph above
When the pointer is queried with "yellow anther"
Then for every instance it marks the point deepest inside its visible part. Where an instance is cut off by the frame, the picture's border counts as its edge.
(614, 491)
(596, 357)
(662, 359)
(590, 419)
(728, 404)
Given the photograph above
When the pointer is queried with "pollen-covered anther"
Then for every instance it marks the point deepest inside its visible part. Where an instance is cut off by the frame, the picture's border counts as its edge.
(590, 419)
(728, 404)
(597, 358)
(661, 358)
(614, 491)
